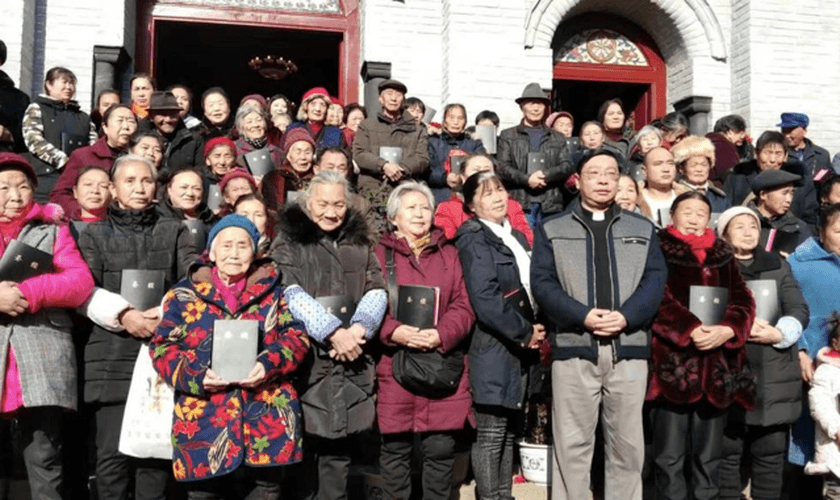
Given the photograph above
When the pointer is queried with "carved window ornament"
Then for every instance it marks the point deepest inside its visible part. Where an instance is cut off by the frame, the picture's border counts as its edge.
(601, 46)
(320, 6)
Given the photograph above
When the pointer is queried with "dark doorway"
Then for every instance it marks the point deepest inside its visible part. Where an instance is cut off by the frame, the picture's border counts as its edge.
(202, 55)
(583, 99)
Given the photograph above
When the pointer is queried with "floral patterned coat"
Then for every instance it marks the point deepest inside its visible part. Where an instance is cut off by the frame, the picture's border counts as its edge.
(679, 372)
(213, 433)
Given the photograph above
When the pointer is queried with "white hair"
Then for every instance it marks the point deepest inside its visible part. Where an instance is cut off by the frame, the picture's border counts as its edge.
(395, 200)
(132, 158)
(325, 178)
(246, 110)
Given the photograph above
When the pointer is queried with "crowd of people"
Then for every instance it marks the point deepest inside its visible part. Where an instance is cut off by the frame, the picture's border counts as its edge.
(414, 284)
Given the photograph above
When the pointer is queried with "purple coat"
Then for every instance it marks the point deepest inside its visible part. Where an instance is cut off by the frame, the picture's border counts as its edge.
(397, 409)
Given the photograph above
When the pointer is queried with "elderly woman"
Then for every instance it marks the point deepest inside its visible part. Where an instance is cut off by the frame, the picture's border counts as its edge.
(312, 116)
(231, 284)
(771, 154)
(698, 369)
(816, 267)
(133, 237)
(53, 127)
(324, 247)
(183, 197)
(414, 253)
(695, 159)
(217, 120)
(252, 125)
(450, 214)
(647, 138)
(452, 136)
(497, 262)
(38, 365)
(612, 117)
(118, 124)
(561, 121)
(295, 171)
(772, 355)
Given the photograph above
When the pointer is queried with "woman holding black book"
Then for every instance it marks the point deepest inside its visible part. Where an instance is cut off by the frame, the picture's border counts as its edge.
(430, 316)
(698, 359)
(781, 315)
(41, 274)
(497, 262)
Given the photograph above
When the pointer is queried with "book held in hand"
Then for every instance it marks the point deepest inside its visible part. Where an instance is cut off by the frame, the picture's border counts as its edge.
(198, 231)
(21, 262)
(766, 296)
(70, 142)
(782, 242)
(664, 217)
(142, 288)
(487, 135)
(259, 162)
(518, 298)
(455, 164)
(391, 154)
(708, 303)
(536, 161)
(341, 306)
(235, 344)
(215, 200)
(418, 306)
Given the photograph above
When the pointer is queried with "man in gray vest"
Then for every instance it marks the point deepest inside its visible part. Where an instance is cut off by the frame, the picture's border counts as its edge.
(598, 275)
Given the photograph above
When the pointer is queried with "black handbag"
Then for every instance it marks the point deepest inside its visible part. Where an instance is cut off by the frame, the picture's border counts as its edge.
(429, 374)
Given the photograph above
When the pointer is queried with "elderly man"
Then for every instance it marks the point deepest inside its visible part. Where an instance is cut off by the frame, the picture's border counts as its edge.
(388, 148)
(781, 231)
(598, 274)
(795, 127)
(534, 180)
(183, 148)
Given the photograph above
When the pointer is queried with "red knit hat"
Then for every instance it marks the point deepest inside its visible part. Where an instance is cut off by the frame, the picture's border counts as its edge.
(296, 135)
(316, 92)
(218, 141)
(14, 161)
(335, 100)
(236, 173)
(262, 100)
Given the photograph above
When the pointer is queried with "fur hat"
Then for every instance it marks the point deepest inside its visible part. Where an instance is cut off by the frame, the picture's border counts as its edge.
(693, 145)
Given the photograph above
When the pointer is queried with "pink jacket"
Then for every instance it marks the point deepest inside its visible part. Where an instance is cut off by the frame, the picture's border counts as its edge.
(70, 284)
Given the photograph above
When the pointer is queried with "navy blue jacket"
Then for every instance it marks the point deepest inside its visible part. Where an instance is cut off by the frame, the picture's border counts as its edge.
(439, 148)
(805, 201)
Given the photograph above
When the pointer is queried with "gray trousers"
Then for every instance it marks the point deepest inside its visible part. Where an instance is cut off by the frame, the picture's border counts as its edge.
(579, 388)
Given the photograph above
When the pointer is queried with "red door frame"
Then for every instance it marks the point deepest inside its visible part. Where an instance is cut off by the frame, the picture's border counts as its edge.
(346, 23)
(653, 104)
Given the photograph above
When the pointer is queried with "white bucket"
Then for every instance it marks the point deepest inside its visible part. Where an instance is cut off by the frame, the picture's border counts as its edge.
(535, 460)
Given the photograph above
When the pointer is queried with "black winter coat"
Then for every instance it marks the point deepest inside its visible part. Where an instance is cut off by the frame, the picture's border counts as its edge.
(815, 158)
(805, 201)
(184, 149)
(778, 387)
(514, 146)
(439, 148)
(337, 398)
(13, 104)
(497, 357)
(127, 239)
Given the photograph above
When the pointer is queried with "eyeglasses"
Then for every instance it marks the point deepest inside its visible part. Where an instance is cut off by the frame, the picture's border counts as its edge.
(611, 175)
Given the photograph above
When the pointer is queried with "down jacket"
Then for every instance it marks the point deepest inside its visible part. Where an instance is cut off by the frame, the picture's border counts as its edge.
(127, 239)
(439, 147)
(397, 409)
(337, 398)
(823, 402)
(680, 373)
(213, 433)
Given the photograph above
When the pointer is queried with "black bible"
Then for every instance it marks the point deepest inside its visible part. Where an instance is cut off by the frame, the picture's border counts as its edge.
(235, 344)
(198, 232)
(418, 306)
(142, 288)
(536, 162)
(21, 262)
(341, 306)
(766, 296)
(708, 303)
(259, 162)
(70, 142)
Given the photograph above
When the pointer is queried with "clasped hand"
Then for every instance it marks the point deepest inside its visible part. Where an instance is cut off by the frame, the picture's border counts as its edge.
(707, 338)
(140, 324)
(214, 383)
(537, 336)
(605, 323)
(346, 343)
(12, 301)
(415, 338)
(393, 171)
(763, 332)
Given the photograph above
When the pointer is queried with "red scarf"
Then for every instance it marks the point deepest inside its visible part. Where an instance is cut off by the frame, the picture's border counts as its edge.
(9, 230)
(698, 244)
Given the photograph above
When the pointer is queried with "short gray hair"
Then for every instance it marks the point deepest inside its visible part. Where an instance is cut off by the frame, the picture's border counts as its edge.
(646, 130)
(325, 178)
(395, 200)
(132, 158)
(246, 110)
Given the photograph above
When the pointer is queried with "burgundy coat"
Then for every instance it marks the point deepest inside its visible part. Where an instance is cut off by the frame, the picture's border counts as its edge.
(680, 373)
(726, 157)
(99, 154)
(397, 409)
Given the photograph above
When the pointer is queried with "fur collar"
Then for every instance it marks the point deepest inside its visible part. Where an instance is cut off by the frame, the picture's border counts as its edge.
(679, 253)
(298, 228)
(824, 356)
